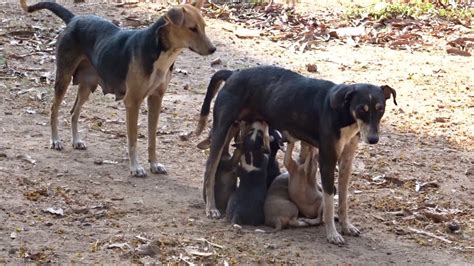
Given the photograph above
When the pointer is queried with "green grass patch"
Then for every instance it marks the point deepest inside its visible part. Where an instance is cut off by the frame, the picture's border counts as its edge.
(383, 10)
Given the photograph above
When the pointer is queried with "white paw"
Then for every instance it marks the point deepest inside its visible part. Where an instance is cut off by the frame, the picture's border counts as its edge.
(213, 213)
(351, 230)
(315, 221)
(79, 145)
(335, 238)
(237, 226)
(158, 168)
(138, 171)
(56, 145)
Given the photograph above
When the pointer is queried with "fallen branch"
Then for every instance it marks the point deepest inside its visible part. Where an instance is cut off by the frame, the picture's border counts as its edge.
(421, 232)
(210, 243)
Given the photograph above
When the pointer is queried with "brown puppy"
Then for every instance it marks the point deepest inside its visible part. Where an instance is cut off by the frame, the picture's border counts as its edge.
(303, 189)
(279, 210)
(132, 64)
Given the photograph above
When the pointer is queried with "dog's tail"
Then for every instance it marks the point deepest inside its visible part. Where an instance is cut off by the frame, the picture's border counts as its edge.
(57, 9)
(216, 81)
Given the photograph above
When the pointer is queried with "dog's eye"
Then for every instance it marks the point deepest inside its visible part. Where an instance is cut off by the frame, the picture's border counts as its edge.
(379, 107)
(361, 110)
(193, 29)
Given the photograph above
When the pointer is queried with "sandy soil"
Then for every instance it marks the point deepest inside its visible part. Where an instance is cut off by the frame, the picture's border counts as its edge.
(108, 215)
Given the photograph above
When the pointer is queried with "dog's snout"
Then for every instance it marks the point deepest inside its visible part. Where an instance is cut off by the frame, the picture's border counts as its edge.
(373, 139)
(212, 50)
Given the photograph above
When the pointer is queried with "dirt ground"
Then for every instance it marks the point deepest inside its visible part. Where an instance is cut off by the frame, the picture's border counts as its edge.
(423, 164)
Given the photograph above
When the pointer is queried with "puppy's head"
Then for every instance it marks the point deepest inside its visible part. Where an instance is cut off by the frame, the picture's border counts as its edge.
(365, 103)
(255, 146)
(276, 141)
(186, 29)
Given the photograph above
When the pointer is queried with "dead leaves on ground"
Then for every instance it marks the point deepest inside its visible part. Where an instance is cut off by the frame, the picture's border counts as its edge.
(309, 31)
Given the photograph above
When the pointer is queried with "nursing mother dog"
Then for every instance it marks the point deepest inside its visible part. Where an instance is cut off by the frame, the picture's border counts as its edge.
(132, 64)
(332, 117)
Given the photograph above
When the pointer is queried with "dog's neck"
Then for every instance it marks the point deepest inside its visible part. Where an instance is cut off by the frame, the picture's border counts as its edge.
(343, 117)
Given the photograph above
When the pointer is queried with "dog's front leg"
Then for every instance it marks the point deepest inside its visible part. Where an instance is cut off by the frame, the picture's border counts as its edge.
(327, 164)
(345, 170)
(154, 107)
(132, 108)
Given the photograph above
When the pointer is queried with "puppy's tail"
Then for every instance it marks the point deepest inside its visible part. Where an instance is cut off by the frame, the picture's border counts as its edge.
(57, 9)
(216, 81)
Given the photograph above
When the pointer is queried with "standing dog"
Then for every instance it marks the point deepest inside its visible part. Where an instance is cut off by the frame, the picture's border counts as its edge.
(246, 203)
(132, 64)
(332, 117)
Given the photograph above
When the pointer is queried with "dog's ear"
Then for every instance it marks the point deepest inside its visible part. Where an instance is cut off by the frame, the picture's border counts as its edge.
(387, 91)
(198, 3)
(340, 95)
(175, 16)
(266, 137)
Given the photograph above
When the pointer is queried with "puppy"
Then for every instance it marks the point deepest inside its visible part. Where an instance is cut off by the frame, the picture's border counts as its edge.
(132, 64)
(303, 189)
(280, 212)
(245, 205)
(295, 193)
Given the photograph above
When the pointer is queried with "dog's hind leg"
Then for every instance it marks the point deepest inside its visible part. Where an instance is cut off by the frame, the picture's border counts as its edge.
(345, 170)
(88, 79)
(217, 146)
(67, 60)
(82, 95)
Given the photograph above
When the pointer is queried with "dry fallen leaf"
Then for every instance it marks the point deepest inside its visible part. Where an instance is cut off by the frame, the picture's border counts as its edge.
(456, 51)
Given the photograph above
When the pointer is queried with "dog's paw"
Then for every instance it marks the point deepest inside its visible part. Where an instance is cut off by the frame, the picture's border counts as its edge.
(351, 230)
(56, 145)
(213, 213)
(237, 226)
(314, 221)
(158, 168)
(138, 171)
(79, 145)
(335, 238)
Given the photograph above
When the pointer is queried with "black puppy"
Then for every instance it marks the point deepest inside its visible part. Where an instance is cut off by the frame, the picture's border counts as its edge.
(332, 117)
(246, 203)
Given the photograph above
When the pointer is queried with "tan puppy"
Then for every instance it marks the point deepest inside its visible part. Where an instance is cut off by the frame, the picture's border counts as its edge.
(303, 189)
(280, 209)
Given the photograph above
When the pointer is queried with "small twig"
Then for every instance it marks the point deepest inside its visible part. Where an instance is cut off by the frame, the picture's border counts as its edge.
(421, 232)
(210, 243)
(181, 257)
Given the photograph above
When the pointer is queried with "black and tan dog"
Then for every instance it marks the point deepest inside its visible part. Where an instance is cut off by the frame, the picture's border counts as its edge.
(332, 117)
(132, 64)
